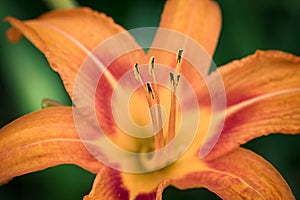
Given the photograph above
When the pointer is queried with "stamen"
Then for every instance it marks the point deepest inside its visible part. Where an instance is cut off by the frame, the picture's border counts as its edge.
(153, 103)
(174, 80)
(155, 116)
(159, 137)
(172, 116)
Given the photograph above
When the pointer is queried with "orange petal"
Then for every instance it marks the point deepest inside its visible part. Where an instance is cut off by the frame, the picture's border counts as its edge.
(200, 20)
(194, 26)
(40, 140)
(240, 174)
(263, 97)
(108, 185)
(67, 36)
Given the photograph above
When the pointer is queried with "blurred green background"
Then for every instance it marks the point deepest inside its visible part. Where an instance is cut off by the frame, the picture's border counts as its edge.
(25, 79)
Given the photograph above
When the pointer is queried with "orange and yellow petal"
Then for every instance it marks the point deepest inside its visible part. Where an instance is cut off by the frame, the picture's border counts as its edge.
(240, 174)
(108, 185)
(40, 140)
(199, 20)
(140, 186)
(66, 37)
(194, 26)
(263, 97)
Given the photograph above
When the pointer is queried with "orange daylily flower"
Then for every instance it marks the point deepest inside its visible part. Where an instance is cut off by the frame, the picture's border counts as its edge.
(263, 97)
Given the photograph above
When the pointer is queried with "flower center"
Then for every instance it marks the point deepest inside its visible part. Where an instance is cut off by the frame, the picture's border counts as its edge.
(152, 92)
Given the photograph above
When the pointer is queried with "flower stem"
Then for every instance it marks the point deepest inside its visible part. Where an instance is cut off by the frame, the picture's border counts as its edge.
(61, 4)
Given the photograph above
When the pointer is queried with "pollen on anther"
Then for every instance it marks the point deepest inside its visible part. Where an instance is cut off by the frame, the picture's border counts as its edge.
(178, 60)
(179, 56)
(136, 72)
(174, 80)
(151, 65)
(150, 90)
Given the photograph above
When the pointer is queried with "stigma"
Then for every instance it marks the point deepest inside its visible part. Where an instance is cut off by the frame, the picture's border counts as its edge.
(162, 135)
